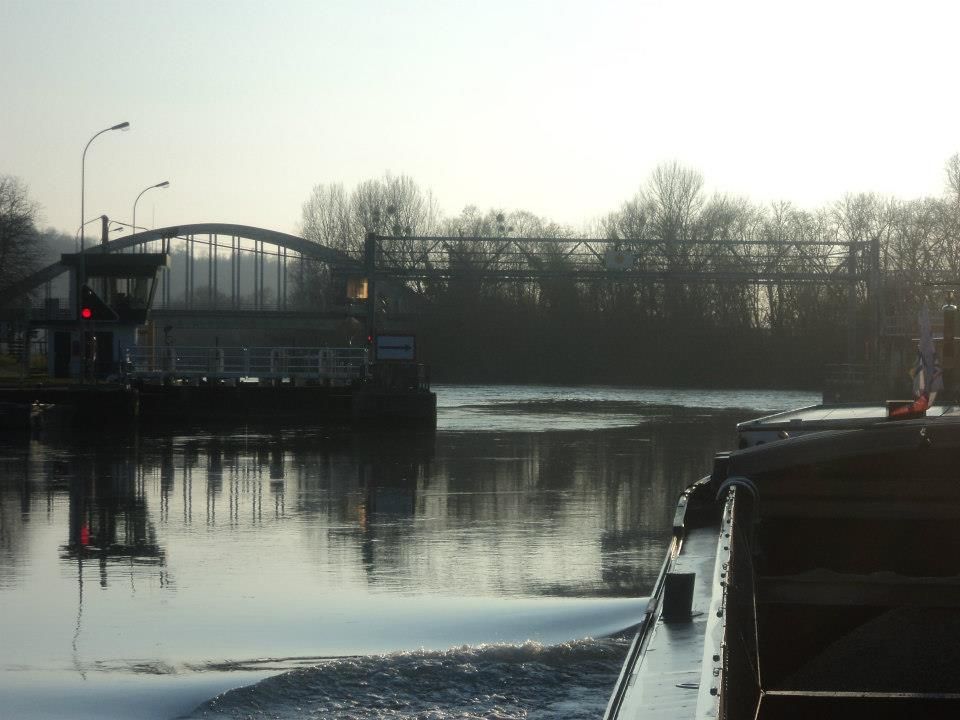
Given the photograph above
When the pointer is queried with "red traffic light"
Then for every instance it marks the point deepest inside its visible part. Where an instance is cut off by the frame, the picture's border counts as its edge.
(92, 307)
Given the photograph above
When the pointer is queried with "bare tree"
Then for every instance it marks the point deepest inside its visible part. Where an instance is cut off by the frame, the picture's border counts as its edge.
(674, 198)
(20, 246)
(953, 178)
(328, 219)
(630, 222)
(394, 206)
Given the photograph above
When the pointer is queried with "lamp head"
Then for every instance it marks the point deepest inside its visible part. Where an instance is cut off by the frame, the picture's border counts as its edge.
(121, 126)
(165, 183)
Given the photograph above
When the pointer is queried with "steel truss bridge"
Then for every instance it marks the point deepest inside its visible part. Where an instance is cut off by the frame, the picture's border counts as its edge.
(713, 260)
(848, 265)
(227, 275)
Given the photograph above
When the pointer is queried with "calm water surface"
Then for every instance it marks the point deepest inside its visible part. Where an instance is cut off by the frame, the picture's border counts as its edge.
(483, 570)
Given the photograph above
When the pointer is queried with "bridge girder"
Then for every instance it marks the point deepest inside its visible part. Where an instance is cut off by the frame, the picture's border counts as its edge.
(297, 244)
(412, 258)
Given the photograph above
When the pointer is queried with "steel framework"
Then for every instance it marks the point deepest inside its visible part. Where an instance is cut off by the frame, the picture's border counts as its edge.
(508, 258)
(255, 264)
(722, 260)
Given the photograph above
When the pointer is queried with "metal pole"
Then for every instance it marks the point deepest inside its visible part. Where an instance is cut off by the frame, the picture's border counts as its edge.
(165, 246)
(233, 272)
(876, 298)
(209, 271)
(165, 183)
(216, 268)
(107, 286)
(852, 304)
(193, 266)
(186, 272)
(300, 280)
(280, 303)
(236, 273)
(370, 265)
(256, 277)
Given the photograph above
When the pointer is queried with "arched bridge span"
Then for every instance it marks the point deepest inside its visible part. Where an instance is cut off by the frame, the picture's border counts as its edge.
(215, 265)
(269, 237)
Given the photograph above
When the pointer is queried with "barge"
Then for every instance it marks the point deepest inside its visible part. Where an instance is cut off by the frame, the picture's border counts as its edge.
(814, 573)
(207, 386)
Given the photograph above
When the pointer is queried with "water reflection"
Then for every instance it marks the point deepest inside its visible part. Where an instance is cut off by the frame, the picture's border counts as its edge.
(565, 513)
(108, 518)
(172, 568)
(151, 554)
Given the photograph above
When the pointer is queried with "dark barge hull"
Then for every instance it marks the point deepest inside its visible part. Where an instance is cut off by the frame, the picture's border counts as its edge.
(286, 403)
(197, 405)
(826, 573)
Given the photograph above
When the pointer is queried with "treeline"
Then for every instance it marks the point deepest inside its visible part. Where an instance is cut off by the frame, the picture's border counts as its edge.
(559, 329)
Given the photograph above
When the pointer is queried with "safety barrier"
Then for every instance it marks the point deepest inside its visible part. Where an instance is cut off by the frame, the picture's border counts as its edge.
(246, 363)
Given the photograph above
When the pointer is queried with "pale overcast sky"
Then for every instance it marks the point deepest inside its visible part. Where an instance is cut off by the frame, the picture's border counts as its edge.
(560, 108)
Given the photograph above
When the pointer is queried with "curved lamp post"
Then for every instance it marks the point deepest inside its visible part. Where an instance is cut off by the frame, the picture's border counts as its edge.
(82, 275)
(83, 175)
(164, 184)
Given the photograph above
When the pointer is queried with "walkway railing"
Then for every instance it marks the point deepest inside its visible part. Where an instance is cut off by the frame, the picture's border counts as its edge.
(337, 365)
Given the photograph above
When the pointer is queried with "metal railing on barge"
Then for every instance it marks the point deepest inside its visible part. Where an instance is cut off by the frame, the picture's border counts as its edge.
(334, 366)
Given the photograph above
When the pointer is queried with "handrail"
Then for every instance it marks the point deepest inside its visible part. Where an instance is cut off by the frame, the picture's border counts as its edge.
(223, 363)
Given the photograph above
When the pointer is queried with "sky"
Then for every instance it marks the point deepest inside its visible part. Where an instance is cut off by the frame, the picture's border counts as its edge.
(562, 108)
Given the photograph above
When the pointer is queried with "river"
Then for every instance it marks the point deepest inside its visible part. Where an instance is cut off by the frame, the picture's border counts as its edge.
(484, 570)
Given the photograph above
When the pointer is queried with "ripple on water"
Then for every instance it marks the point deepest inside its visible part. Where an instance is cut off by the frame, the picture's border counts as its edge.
(570, 681)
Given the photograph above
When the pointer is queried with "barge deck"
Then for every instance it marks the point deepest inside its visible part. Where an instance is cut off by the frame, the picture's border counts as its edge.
(825, 570)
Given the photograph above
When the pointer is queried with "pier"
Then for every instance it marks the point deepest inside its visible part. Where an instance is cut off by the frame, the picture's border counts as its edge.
(230, 386)
(199, 305)
(109, 337)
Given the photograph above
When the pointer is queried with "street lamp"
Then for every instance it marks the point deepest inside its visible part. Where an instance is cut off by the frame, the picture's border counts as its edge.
(76, 235)
(164, 184)
(83, 176)
(82, 274)
(125, 225)
(101, 218)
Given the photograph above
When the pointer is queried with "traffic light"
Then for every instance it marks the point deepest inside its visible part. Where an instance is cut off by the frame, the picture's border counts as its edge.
(93, 308)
